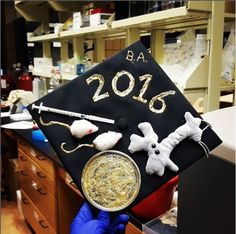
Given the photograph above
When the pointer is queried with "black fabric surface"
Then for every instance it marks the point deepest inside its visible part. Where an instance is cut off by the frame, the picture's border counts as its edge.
(77, 96)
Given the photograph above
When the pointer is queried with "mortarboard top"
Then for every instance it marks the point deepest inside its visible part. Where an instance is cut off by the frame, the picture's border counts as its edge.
(135, 89)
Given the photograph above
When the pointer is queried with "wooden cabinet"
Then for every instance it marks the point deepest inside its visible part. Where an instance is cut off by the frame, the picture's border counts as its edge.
(37, 157)
(38, 186)
(50, 199)
(32, 214)
(69, 201)
(132, 229)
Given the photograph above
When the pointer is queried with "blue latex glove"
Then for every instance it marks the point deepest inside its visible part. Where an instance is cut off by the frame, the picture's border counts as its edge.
(85, 223)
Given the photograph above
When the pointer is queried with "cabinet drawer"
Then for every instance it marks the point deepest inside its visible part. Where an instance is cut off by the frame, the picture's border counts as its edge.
(34, 217)
(22, 160)
(40, 176)
(23, 145)
(40, 159)
(40, 197)
(68, 181)
(131, 229)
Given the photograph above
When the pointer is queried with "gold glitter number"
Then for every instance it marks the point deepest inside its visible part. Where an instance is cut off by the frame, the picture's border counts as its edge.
(131, 83)
(97, 96)
(148, 78)
(159, 98)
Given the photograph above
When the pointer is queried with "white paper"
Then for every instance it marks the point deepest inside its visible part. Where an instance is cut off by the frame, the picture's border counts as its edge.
(5, 114)
(3, 84)
(21, 116)
(19, 125)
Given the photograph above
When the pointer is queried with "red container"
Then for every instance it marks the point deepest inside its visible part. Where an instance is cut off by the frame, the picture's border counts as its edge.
(25, 82)
(158, 202)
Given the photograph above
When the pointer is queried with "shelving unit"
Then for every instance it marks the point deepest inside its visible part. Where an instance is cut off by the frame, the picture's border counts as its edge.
(92, 31)
(172, 19)
(205, 81)
(36, 11)
(47, 37)
(64, 76)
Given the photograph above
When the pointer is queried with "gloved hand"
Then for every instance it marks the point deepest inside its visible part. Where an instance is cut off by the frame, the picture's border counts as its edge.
(84, 222)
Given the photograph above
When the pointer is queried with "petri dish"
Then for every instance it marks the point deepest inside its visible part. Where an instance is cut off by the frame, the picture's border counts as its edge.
(111, 180)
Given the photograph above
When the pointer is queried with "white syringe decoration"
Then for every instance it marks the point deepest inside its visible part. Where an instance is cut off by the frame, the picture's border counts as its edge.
(71, 114)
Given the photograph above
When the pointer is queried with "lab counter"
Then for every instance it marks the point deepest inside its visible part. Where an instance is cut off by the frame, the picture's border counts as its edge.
(223, 121)
(26, 134)
(44, 147)
(206, 190)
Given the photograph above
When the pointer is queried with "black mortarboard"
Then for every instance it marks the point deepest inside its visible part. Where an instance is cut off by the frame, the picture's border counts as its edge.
(129, 88)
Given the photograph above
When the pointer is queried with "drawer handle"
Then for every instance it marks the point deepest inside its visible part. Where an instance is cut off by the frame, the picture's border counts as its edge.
(23, 158)
(41, 222)
(40, 175)
(24, 173)
(72, 183)
(41, 191)
(39, 157)
(25, 201)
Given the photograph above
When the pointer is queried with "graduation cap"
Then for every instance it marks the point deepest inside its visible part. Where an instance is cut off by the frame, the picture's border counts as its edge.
(126, 104)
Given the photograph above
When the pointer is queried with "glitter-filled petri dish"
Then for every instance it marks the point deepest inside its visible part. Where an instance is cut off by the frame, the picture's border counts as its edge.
(111, 180)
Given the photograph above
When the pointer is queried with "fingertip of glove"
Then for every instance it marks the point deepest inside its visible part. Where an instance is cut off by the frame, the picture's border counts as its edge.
(124, 218)
(103, 215)
(120, 229)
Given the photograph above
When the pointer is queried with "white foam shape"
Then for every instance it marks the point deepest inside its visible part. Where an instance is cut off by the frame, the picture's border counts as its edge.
(81, 128)
(107, 140)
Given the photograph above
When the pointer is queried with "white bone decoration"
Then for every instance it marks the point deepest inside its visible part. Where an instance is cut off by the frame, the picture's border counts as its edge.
(159, 153)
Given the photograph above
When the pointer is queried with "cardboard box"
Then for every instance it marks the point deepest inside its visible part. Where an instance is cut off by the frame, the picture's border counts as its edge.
(100, 16)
